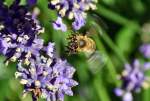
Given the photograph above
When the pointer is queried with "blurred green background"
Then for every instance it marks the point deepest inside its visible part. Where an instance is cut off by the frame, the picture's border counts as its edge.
(119, 27)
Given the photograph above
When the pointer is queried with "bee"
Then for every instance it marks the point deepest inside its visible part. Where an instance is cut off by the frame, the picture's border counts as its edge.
(35, 91)
(81, 43)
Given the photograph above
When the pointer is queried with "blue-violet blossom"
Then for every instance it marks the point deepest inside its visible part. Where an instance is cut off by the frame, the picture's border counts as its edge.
(133, 79)
(72, 9)
(18, 32)
(31, 2)
(47, 77)
(145, 50)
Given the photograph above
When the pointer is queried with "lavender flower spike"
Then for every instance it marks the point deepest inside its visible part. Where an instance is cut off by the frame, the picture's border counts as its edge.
(73, 10)
(145, 49)
(133, 79)
(18, 33)
(47, 77)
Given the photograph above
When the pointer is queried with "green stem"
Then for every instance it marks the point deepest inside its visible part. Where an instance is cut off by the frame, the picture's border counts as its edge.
(145, 95)
(114, 47)
(112, 15)
(110, 43)
(100, 89)
(115, 17)
(111, 68)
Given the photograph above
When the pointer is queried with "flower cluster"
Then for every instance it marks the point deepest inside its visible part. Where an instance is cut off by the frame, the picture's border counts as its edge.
(145, 49)
(39, 69)
(134, 79)
(72, 9)
(18, 32)
(47, 77)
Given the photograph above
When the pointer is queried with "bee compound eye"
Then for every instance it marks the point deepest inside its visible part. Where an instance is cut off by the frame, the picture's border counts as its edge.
(82, 43)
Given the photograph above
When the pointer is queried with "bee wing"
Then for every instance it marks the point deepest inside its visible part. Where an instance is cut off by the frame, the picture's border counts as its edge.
(99, 23)
(97, 61)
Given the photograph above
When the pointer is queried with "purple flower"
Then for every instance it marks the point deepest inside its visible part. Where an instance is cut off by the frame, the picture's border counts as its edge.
(39, 70)
(31, 2)
(145, 49)
(79, 22)
(46, 77)
(3, 46)
(16, 19)
(73, 9)
(147, 65)
(133, 79)
(18, 33)
(126, 96)
(59, 25)
(50, 49)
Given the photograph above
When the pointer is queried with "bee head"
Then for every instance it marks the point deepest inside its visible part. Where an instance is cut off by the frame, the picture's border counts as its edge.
(76, 43)
(72, 44)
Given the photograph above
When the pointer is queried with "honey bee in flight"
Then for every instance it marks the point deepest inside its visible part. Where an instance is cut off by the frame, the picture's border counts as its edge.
(83, 43)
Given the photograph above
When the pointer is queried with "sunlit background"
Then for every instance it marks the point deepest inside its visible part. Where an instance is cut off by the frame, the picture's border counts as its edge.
(119, 28)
